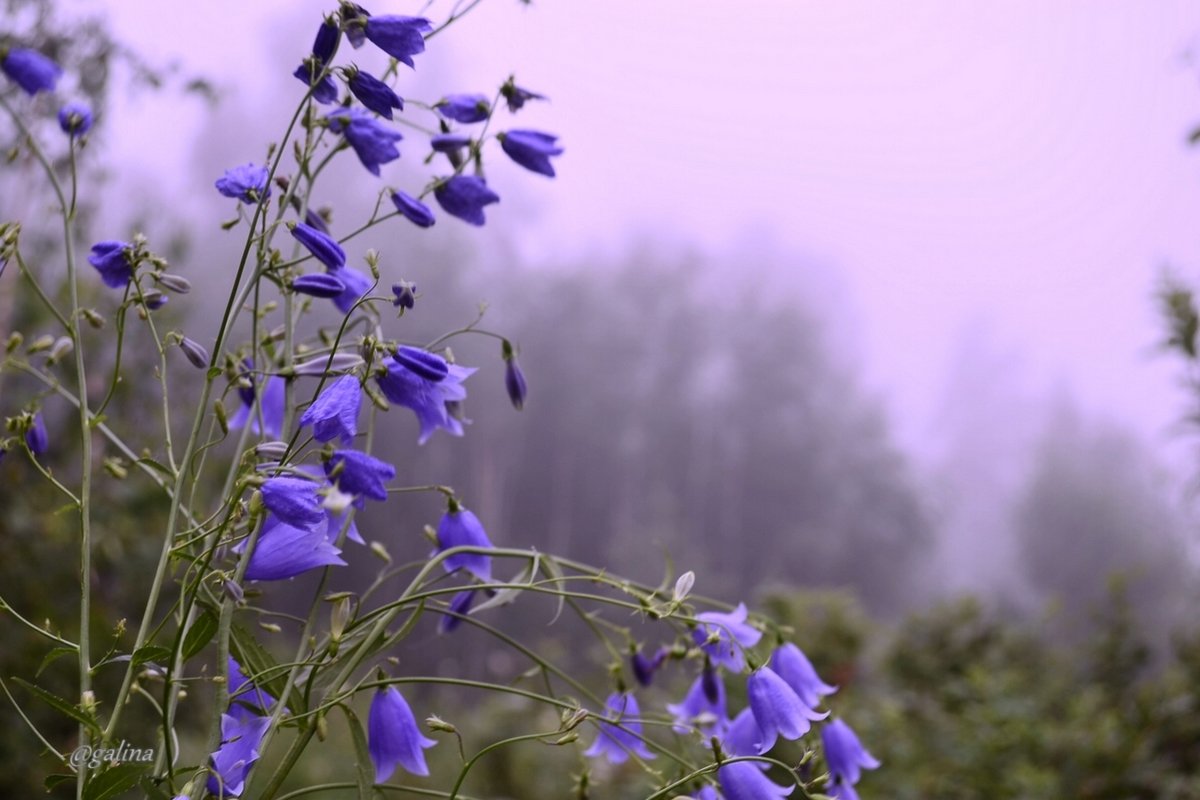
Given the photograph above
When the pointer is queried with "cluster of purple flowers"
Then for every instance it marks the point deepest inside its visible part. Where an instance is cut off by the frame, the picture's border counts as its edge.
(34, 73)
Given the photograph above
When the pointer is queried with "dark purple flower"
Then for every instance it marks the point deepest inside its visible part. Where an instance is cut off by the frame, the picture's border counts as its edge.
(112, 260)
(359, 474)
(461, 528)
(374, 93)
(414, 210)
(323, 246)
(514, 383)
(325, 42)
(355, 17)
(464, 108)
(30, 70)
(742, 780)
(644, 667)
(406, 294)
(516, 97)
(357, 284)
(531, 149)
(698, 712)
(284, 551)
(295, 502)
(272, 403)
(734, 636)
(616, 743)
(790, 663)
(398, 36)
(334, 414)
(244, 694)
(450, 143)
(323, 91)
(844, 754)
(319, 284)
(240, 738)
(427, 398)
(393, 738)
(464, 196)
(460, 606)
(36, 437)
(155, 299)
(373, 142)
(75, 119)
(778, 710)
(247, 183)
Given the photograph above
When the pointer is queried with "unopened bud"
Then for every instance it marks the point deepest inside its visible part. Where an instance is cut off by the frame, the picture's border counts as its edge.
(114, 467)
(270, 627)
(340, 362)
(154, 299)
(233, 591)
(15, 340)
(683, 586)
(381, 552)
(174, 283)
(573, 720)
(435, 723)
(43, 342)
(62, 348)
(338, 617)
(274, 451)
(195, 352)
(93, 318)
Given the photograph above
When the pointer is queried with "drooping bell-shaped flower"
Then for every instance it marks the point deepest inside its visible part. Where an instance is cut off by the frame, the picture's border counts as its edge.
(319, 284)
(374, 93)
(734, 636)
(111, 259)
(30, 70)
(844, 754)
(374, 143)
(322, 246)
(644, 666)
(465, 196)
(790, 663)
(359, 474)
(741, 780)
(294, 501)
(405, 295)
(247, 183)
(461, 528)
(623, 736)
(245, 697)
(464, 108)
(357, 284)
(240, 738)
(460, 606)
(36, 437)
(283, 551)
(743, 737)
(393, 738)
(698, 712)
(514, 378)
(408, 383)
(75, 119)
(271, 408)
(311, 68)
(399, 36)
(516, 97)
(778, 710)
(334, 414)
(412, 209)
(531, 149)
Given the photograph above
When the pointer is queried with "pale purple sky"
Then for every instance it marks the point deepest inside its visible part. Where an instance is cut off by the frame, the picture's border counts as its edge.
(1014, 172)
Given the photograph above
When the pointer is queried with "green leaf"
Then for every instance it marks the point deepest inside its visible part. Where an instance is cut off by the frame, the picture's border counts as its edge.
(363, 766)
(157, 466)
(152, 791)
(261, 667)
(57, 703)
(53, 656)
(114, 780)
(200, 634)
(151, 652)
(57, 778)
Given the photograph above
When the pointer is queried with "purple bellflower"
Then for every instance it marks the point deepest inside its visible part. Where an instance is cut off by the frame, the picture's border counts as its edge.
(409, 387)
(244, 695)
(272, 406)
(406, 294)
(75, 119)
(464, 108)
(111, 260)
(283, 551)
(844, 754)
(374, 93)
(531, 149)
(516, 97)
(429, 366)
(778, 710)
(322, 246)
(30, 70)
(36, 438)
(708, 793)
(336, 521)
(644, 667)
(460, 604)
(393, 738)
(514, 382)
(461, 528)
(398, 36)
(295, 502)
(319, 285)
(414, 210)
(735, 636)
(790, 663)
(616, 743)
(698, 712)
(743, 737)
(334, 414)
(247, 183)
(357, 284)
(742, 780)
(323, 48)
(359, 474)
(464, 196)
(373, 142)
(240, 738)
